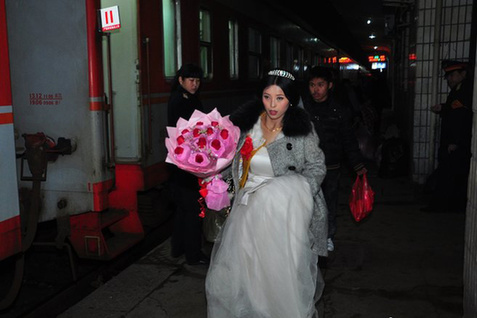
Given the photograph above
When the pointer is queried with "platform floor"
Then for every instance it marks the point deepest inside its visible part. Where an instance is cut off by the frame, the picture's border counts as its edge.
(397, 263)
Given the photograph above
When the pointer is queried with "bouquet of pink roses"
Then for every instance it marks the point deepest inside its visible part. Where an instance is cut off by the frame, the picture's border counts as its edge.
(204, 145)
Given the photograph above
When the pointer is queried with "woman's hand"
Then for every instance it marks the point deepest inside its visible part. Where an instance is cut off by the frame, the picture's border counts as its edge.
(361, 171)
(451, 148)
(436, 108)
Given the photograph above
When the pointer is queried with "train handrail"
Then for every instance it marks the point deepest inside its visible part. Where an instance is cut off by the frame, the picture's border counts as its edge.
(37, 160)
(39, 150)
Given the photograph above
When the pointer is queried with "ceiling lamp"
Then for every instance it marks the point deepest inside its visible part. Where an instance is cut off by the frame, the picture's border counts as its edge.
(368, 21)
(372, 36)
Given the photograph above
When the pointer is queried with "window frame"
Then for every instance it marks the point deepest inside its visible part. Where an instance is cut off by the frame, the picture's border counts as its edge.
(254, 54)
(233, 49)
(205, 44)
(168, 70)
(275, 52)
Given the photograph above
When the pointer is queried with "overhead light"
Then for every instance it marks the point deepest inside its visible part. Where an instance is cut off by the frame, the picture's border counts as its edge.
(375, 47)
(372, 36)
(368, 21)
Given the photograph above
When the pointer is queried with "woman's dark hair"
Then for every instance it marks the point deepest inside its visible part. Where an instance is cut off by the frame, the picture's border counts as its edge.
(285, 81)
(190, 70)
(187, 71)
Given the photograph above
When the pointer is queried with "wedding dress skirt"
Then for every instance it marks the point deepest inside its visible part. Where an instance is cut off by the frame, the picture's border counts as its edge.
(262, 265)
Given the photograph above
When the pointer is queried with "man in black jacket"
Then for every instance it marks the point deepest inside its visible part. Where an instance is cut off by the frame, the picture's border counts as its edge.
(333, 124)
(450, 193)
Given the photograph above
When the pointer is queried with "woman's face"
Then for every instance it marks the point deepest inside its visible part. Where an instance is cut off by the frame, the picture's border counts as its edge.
(275, 102)
(190, 84)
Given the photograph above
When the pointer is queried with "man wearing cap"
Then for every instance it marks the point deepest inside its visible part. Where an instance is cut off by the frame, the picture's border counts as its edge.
(450, 193)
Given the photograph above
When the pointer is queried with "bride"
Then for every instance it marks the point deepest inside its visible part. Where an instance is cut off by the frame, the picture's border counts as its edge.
(265, 260)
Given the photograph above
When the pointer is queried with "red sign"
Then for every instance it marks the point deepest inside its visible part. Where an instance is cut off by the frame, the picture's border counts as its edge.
(377, 58)
(330, 60)
(345, 60)
(110, 19)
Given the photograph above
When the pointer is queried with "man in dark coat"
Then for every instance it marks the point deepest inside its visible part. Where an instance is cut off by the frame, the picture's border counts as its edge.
(450, 193)
(333, 124)
(187, 234)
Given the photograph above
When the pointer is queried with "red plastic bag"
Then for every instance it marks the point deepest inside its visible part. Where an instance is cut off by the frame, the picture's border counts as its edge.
(361, 199)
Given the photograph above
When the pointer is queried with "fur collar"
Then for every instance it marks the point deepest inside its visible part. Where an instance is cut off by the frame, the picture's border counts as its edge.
(295, 123)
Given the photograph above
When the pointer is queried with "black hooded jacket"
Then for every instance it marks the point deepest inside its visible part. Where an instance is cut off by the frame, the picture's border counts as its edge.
(181, 105)
(333, 124)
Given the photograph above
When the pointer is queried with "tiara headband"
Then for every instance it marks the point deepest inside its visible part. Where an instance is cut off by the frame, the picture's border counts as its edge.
(281, 73)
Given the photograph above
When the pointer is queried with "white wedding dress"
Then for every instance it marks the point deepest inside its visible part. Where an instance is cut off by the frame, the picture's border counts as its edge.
(262, 264)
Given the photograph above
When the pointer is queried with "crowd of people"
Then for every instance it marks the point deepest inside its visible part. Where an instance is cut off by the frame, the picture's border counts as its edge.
(283, 216)
(295, 138)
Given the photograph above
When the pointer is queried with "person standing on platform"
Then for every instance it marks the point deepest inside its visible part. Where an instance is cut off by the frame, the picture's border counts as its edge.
(451, 175)
(187, 233)
(333, 123)
(264, 262)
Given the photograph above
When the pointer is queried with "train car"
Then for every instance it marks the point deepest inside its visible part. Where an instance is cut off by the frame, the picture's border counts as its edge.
(97, 96)
(10, 231)
(83, 123)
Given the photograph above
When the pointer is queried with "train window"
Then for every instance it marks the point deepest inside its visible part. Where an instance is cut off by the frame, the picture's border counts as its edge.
(308, 60)
(204, 25)
(255, 50)
(254, 41)
(298, 65)
(233, 49)
(274, 52)
(289, 56)
(171, 16)
(317, 60)
(205, 42)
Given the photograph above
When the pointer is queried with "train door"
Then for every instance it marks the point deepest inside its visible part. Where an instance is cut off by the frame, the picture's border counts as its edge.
(10, 234)
(139, 166)
(138, 100)
(125, 86)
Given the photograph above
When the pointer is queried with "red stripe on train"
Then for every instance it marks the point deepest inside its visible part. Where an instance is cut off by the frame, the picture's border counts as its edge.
(6, 118)
(10, 237)
(5, 88)
(100, 192)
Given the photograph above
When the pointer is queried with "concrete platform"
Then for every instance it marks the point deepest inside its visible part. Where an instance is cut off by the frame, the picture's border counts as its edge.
(399, 262)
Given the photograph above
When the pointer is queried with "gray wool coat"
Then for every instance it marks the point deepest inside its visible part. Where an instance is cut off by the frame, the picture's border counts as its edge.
(296, 153)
